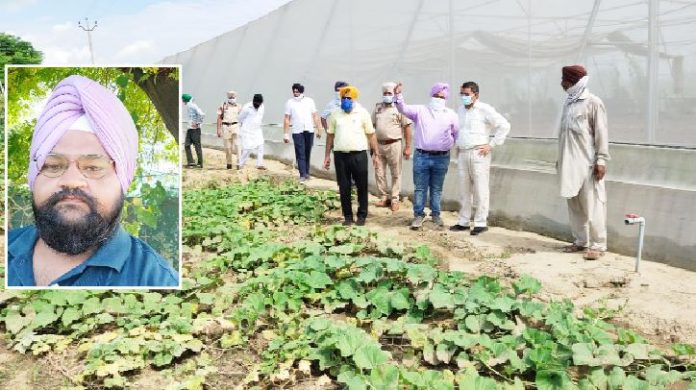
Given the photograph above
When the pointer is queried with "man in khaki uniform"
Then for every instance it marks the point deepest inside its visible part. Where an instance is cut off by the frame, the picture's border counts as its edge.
(228, 126)
(583, 152)
(393, 131)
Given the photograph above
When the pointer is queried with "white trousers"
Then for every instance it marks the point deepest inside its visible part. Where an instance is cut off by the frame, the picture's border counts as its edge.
(588, 215)
(244, 156)
(474, 176)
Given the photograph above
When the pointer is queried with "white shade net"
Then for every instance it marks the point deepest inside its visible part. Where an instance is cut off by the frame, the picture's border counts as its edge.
(513, 49)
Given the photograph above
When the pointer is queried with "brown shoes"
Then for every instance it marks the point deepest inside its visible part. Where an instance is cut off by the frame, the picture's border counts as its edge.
(593, 254)
(572, 248)
(383, 203)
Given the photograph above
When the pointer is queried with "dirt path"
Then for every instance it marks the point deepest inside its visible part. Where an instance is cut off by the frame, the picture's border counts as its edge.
(659, 302)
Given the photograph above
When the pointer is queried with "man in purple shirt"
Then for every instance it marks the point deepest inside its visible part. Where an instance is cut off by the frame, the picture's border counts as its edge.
(435, 131)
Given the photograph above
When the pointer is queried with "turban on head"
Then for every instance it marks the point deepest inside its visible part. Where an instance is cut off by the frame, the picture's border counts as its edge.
(108, 118)
(440, 87)
(340, 84)
(388, 86)
(573, 73)
(231, 94)
(349, 91)
(186, 97)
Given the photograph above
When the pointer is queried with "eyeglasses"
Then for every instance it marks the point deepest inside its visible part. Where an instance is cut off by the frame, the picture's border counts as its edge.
(92, 166)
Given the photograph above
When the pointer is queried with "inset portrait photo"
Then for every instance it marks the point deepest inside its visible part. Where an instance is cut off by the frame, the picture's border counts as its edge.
(93, 177)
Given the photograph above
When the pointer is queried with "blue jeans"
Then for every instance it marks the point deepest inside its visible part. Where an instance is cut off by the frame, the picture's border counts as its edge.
(428, 173)
(303, 149)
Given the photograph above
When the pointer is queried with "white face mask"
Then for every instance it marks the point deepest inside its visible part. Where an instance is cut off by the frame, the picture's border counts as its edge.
(232, 100)
(338, 95)
(388, 99)
(299, 97)
(437, 103)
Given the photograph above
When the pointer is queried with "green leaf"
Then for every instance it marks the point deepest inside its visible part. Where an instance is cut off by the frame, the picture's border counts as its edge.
(617, 376)
(352, 380)
(633, 383)
(370, 273)
(440, 298)
(526, 284)
(70, 315)
(583, 354)
(91, 306)
(14, 322)
(639, 351)
(385, 377)
(347, 289)
(369, 356)
(608, 355)
(318, 280)
(683, 349)
(349, 343)
(598, 378)
(206, 298)
(552, 380)
(413, 377)
(122, 80)
(44, 318)
(472, 323)
(504, 304)
(418, 273)
(399, 299)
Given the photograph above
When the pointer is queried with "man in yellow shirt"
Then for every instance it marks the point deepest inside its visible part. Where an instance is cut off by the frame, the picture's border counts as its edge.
(350, 133)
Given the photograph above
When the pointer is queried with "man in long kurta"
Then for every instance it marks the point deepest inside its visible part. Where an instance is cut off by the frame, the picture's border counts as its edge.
(228, 126)
(583, 152)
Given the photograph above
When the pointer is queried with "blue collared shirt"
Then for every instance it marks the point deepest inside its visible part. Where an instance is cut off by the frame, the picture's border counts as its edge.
(123, 260)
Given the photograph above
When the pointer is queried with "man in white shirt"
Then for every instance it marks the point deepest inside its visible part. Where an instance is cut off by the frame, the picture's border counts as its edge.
(301, 113)
(477, 120)
(333, 104)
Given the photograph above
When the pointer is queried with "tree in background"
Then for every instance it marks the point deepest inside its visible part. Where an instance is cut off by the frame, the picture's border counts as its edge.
(13, 50)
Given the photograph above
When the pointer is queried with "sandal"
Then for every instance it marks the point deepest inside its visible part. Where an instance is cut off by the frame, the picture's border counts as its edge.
(572, 248)
(593, 254)
(383, 203)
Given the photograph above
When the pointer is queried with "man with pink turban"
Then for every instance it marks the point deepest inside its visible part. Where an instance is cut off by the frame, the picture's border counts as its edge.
(435, 131)
(82, 160)
(583, 152)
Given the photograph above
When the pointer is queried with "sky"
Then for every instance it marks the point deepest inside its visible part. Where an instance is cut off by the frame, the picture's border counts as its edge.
(128, 31)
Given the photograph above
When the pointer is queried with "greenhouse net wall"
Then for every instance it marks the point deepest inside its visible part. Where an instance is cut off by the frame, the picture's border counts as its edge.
(640, 56)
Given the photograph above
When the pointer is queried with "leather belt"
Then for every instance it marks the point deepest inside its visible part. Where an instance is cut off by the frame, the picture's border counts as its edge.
(388, 141)
(229, 123)
(433, 152)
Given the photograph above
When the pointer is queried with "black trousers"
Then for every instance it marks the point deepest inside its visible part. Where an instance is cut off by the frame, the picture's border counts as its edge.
(352, 166)
(193, 136)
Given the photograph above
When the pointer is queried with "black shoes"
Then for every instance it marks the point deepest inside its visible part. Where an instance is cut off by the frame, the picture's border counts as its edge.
(458, 228)
(229, 166)
(478, 230)
(348, 222)
(361, 222)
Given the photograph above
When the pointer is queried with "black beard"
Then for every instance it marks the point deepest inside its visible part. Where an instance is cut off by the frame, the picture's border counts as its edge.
(75, 237)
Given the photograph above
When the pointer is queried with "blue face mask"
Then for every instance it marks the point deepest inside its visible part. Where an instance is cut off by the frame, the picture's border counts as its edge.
(346, 105)
(389, 99)
(466, 100)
